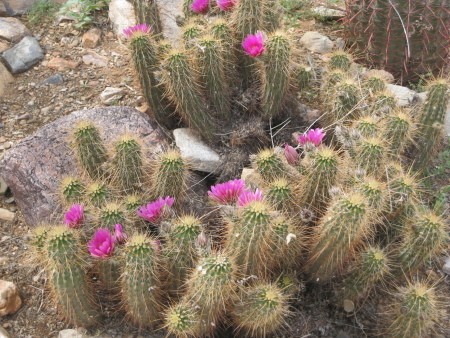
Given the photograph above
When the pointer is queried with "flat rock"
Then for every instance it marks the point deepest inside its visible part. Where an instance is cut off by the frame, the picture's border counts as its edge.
(4, 333)
(169, 11)
(404, 96)
(71, 333)
(10, 300)
(91, 38)
(23, 55)
(34, 167)
(11, 29)
(3, 186)
(121, 15)
(95, 59)
(328, 13)
(62, 64)
(6, 215)
(316, 42)
(110, 94)
(195, 151)
(4, 45)
(5, 79)
(54, 79)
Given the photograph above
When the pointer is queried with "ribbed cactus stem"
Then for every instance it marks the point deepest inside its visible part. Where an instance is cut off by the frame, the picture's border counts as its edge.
(111, 214)
(382, 103)
(269, 165)
(127, 164)
(303, 75)
(187, 9)
(375, 192)
(72, 189)
(133, 202)
(140, 284)
(97, 193)
(147, 11)
(181, 320)
(89, 148)
(169, 175)
(212, 61)
(38, 243)
(371, 155)
(399, 128)
(185, 91)
(375, 84)
(273, 14)
(276, 74)
(109, 274)
(340, 60)
(191, 32)
(344, 104)
(261, 310)
(68, 280)
(280, 194)
(367, 126)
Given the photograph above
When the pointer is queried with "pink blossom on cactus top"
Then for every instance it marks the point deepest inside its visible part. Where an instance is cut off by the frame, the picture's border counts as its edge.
(74, 217)
(226, 5)
(119, 236)
(102, 244)
(133, 31)
(227, 192)
(291, 154)
(200, 6)
(313, 136)
(152, 211)
(253, 44)
(248, 196)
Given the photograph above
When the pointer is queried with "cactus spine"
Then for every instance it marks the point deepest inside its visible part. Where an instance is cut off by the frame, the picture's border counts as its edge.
(399, 128)
(147, 11)
(97, 193)
(72, 189)
(344, 103)
(181, 320)
(169, 175)
(340, 60)
(276, 73)
(268, 165)
(280, 194)
(110, 215)
(273, 14)
(371, 155)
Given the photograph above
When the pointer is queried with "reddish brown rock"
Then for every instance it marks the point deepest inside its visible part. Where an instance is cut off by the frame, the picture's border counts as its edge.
(5, 79)
(62, 64)
(33, 168)
(11, 29)
(91, 38)
(4, 45)
(10, 300)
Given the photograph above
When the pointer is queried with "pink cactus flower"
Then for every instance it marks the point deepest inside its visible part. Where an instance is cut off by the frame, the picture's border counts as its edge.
(152, 211)
(200, 6)
(253, 44)
(291, 154)
(313, 136)
(248, 196)
(228, 192)
(119, 236)
(226, 5)
(74, 217)
(102, 244)
(138, 30)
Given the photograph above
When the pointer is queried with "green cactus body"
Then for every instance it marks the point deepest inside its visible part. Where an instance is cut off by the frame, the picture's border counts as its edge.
(371, 268)
(344, 103)
(72, 189)
(147, 55)
(191, 33)
(402, 187)
(110, 215)
(425, 236)
(180, 250)
(303, 75)
(261, 310)
(273, 15)
(187, 9)
(71, 290)
(375, 193)
(414, 312)
(368, 126)
(340, 60)
(432, 121)
(276, 74)
(140, 284)
(38, 243)
(221, 30)
(248, 238)
(133, 202)
(97, 193)
(181, 320)
(90, 150)
(268, 165)
(330, 81)
(280, 194)
(127, 164)
(147, 11)
(375, 84)
(399, 128)
(382, 104)
(341, 230)
(185, 92)
(169, 175)
(109, 274)
(371, 155)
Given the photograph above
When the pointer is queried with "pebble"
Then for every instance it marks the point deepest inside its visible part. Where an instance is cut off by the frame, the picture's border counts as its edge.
(446, 267)
(4, 333)
(7, 215)
(25, 116)
(111, 94)
(10, 300)
(55, 79)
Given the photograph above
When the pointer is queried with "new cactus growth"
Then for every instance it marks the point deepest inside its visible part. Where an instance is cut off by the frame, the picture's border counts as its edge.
(140, 282)
(371, 155)
(344, 104)
(374, 191)
(38, 243)
(89, 148)
(382, 103)
(169, 175)
(72, 189)
(269, 165)
(375, 84)
(399, 128)
(110, 215)
(191, 32)
(146, 11)
(261, 310)
(97, 193)
(340, 60)
(132, 203)
(68, 280)
(280, 194)
(276, 74)
(367, 126)
(127, 164)
(185, 91)
(181, 320)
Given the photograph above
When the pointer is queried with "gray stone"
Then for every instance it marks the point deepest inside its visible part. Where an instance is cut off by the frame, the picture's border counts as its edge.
(404, 96)
(54, 79)
(95, 59)
(5, 79)
(195, 151)
(23, 55)
(169, 11)
(4, 333)
(316, 42)
(11, 29)
(446, 266)
(71, 333)
(110, 95)
(121, 15)
(328, 13)
(34, 167)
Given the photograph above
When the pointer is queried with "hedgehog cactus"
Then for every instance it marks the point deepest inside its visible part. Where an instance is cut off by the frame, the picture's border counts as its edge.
(382, 103)
(191, 32)
(147, 11)
(140, 282)
(68, 279)
(375, 193)
(344, 104)
(38, 243)
(340, 60)
(89, 148)
(72, 189)
(280, 194)
(276, 73)
(269, 165)
(97, 193)
(370, 155)
(111, 214)
(181, 320)
(375, 84)
(367, 126)
(399, 129)
(273, 14)
(408, 38)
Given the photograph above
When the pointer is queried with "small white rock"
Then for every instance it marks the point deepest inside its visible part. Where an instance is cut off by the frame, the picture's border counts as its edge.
(121, 15)
(316, 42)
(71, 333)
(328, 13)
(6, 215)
(111, 94)
(3, 186)
(3, 333)
(404, 96)
(446, 267)
(10, 300)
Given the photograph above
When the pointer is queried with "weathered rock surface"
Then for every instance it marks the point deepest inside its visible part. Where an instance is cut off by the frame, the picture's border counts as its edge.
(4, 45)
(6, 215)
(10, 300)
(33, 168)
(446, 266)
(11, 29)
(110, 94)
(62, 64)
(3, 186)
(121, 15)
(4, 333)
(5, 79)
(18, 7)
(195, 151)
(91, 38)
(95, 59)
(404, 96)
(169, 11)
(23, 55)
(316, 42)
(54, 79)
(328, 13)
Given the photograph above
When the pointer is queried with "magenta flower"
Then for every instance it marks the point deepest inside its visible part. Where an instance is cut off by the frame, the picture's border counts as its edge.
(253, 44)
(152, 211)
(119, 236)
(102, 244)
(74, 217)
(137, 30)
(248, 196)
(228, 192)
(291, 154)
(226, 5)
(313, 136)
(200, 6)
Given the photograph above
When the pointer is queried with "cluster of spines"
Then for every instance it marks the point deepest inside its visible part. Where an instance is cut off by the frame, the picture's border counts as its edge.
(269, 165)
(169, 175)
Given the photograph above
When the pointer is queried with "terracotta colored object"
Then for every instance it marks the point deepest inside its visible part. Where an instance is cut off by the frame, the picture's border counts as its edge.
(10, 300)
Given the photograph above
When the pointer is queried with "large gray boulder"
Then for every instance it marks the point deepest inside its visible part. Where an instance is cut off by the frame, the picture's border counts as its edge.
(34, 167)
